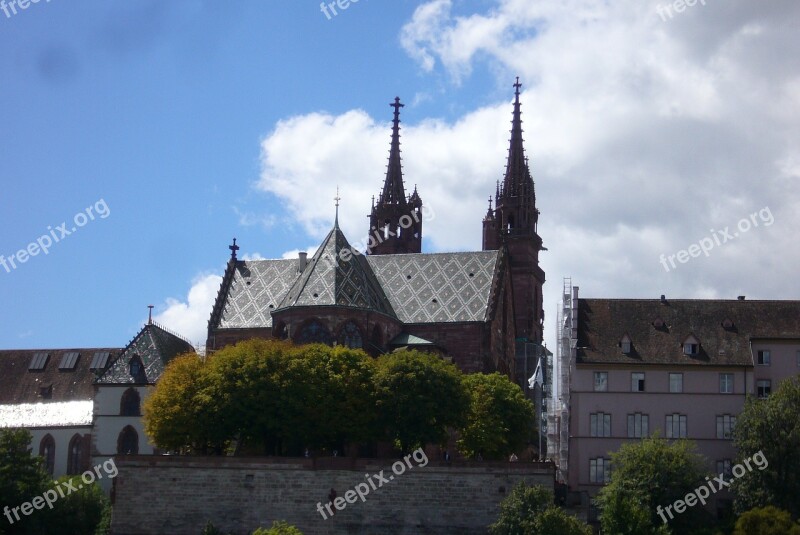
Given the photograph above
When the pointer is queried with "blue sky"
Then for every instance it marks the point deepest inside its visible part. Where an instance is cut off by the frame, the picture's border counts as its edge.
(194, 122)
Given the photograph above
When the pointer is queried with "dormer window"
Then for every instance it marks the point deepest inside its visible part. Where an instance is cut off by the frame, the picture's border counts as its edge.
(691, 346)
(626, 344)
(136, 366)
(658, 323)
(727, 324)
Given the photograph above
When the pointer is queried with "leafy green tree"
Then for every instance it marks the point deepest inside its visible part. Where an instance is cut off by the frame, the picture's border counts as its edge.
(183, 414)
(79, 511)
(768, 520)
(770, 426)
(529, 510)
(419, 396)
(278, 528)
(647, 476)
(499, 418)
(21, 478)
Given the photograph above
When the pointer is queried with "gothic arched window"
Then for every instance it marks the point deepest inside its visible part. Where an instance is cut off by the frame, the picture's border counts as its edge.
(75, 456)
(350, 336)
(47, 450)
(314, 332)
(128, 441)
(130, 403)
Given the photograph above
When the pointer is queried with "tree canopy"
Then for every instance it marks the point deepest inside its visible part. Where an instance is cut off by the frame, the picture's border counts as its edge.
(530, 510)
(499, 419)
(270, 397)
(770, 426)
(647, 475)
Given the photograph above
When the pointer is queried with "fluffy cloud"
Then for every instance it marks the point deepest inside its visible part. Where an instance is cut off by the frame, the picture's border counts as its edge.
(189, 318)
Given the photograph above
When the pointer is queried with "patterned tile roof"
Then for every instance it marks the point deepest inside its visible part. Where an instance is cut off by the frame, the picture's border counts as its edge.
(437, 287)
(258, 286)
(414, 288)
(154, 346)
(328, 279)
(724, 329)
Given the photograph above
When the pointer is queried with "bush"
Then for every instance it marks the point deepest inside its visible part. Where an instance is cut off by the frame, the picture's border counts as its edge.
(766, 521)
(279, 527)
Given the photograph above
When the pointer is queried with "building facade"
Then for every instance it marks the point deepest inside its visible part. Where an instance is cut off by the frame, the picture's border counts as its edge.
(679, 368)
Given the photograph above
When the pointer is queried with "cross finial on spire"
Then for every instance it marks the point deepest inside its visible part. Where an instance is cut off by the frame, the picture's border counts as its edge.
(233, 249)
(150, 315)
(337, 199)
(517, 85)
(396, 105)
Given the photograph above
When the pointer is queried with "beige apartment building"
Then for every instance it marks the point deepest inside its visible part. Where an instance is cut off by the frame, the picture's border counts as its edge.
(683, 368)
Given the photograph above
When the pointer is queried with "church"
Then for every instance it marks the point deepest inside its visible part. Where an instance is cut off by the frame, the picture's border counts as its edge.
(479, 309)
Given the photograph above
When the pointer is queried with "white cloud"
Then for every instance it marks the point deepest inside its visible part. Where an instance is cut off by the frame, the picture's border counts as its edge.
(643, 134)
(189, 318)
(311, 250)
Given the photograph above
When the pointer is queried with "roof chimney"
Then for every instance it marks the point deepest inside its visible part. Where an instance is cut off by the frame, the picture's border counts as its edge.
(302, 261)
(663, 299)
(740, 298)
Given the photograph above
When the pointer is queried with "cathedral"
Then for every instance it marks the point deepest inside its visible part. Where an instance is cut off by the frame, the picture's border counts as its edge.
(476, 309)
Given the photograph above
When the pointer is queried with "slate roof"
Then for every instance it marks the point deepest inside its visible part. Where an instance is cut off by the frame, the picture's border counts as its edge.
(603, 322)
(328, 279)
(414, 288)
(155, 347)
(20, 385)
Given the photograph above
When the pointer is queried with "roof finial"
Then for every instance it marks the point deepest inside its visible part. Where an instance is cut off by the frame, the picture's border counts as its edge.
(517, 85)
(490, 203)
(337, 199)
(233, 249)
(150, 315)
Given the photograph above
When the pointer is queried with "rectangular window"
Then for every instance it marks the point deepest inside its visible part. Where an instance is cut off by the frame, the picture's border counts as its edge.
(690, 349)
(676, 426)
(38, 361)
(99, 360)
(725, 425)
(600, 381)
(724, 468)
(637, 382)
(638, 425)
(676, 382)
(69, 360)
(599, 470)
(600, 424)
(726, 383)
(763, 388)
(764, 357)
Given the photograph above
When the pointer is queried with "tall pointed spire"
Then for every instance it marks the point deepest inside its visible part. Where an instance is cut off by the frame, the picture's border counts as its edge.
(517, 181)
(336, 200)
(393, 191)
(395, 222)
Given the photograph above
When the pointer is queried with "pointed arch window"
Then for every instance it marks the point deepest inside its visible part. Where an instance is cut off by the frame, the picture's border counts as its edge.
(350, 336)
(314, 332)
(128, 441)
(130, 404)
(75, 456)
(47, 450)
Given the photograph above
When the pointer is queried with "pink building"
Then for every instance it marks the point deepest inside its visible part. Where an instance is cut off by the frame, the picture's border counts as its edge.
(682, 368)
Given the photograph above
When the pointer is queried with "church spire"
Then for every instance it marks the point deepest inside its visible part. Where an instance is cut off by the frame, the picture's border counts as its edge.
(393, 191)
(517, 181)
(395, 221)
